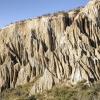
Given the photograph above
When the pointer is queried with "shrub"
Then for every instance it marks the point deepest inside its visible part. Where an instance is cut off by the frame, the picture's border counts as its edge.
(32, 97)
(97, 86)
(81, 86)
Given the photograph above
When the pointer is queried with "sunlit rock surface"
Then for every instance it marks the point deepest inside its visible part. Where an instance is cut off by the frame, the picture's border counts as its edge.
(63, 46)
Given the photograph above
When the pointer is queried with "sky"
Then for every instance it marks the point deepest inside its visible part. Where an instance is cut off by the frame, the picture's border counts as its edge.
(17, 10)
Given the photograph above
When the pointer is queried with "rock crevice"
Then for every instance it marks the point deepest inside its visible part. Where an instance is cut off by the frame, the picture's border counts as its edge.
(61, 46)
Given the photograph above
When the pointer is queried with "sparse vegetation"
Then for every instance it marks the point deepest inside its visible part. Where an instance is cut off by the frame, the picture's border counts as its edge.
(21, 92)
(79, 92)
(46, 14)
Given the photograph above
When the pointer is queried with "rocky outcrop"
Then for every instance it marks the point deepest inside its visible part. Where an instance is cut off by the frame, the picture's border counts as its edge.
(46, 82)
(61, 46)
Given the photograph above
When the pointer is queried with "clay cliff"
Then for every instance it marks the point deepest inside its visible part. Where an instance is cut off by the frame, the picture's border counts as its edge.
(63, 47)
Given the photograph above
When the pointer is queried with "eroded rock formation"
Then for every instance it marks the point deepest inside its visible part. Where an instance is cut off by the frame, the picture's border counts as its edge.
(61, 46)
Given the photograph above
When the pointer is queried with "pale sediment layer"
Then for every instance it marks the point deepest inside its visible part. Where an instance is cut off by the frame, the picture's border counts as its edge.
(61, 46)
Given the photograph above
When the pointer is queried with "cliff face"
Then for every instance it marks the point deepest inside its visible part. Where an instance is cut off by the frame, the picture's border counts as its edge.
(64, 47)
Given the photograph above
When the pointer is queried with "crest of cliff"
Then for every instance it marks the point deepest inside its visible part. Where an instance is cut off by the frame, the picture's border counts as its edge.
(63, 48)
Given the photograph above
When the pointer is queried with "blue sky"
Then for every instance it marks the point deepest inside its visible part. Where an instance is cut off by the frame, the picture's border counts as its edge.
(16, 10)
